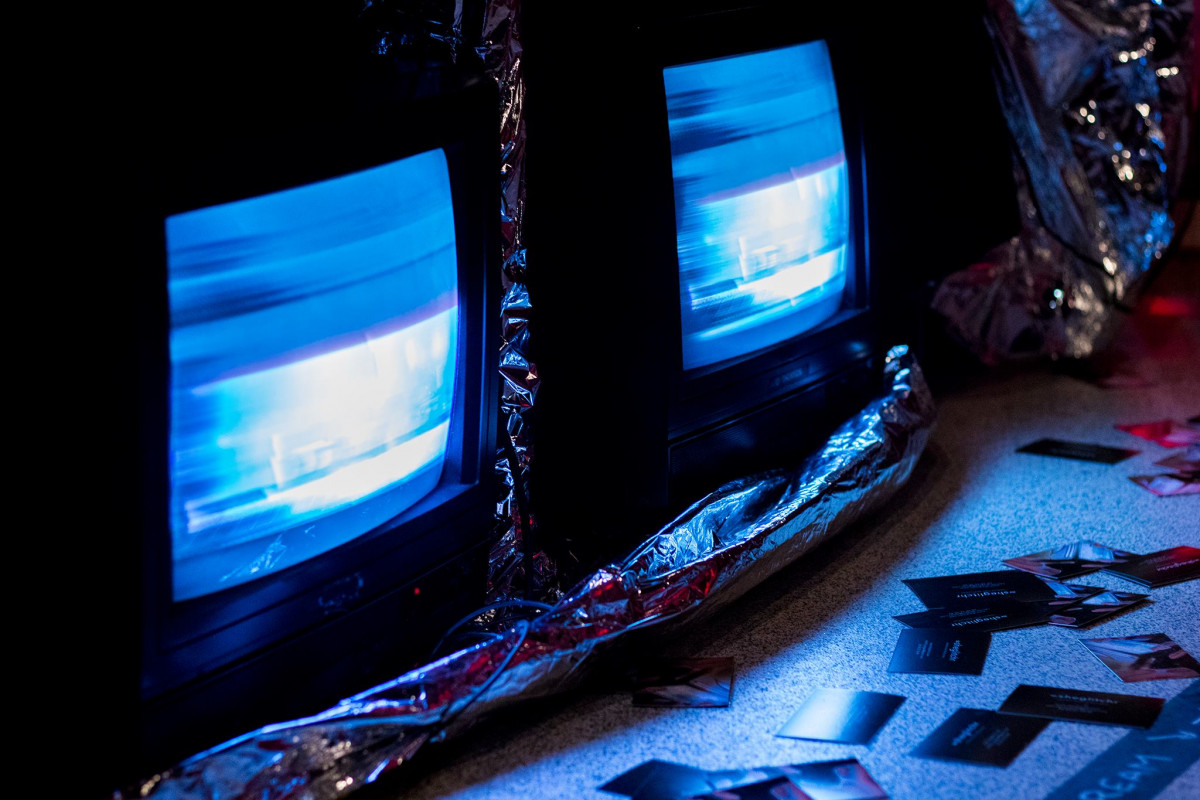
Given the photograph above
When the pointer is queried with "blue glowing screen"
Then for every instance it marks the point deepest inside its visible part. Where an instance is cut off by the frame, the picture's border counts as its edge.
(314, 341)
(761, 198)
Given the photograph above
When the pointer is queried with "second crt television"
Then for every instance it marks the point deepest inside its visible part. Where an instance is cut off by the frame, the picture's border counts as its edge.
(703, 290)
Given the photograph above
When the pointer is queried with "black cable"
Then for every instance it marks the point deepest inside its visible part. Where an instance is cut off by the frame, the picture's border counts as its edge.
(484, 610)
(447, 718)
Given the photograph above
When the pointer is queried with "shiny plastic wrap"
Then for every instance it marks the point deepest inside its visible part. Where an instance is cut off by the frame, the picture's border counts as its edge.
(1095, 96)
(715, 551)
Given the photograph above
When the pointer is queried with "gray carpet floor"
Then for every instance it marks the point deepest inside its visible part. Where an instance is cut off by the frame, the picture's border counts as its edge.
(827, 620)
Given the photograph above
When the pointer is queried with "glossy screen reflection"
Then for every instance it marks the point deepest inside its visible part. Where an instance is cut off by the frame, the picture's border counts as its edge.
(761, 198)
(313, 354)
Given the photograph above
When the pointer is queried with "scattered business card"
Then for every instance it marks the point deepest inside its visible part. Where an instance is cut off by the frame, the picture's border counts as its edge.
(1188, 461)
(1095, 608)
(1168, 485)
(773, 789)
(1078, 705)
(844, 779)
(929, 650)
(660, 780)
(1070, 560)
(979, 587)
(981, 737)
(1165, 432)
(1149, 657)
(1080, 451)
(992, 617)
(685, 683)
(841, 715)
(1173, 565)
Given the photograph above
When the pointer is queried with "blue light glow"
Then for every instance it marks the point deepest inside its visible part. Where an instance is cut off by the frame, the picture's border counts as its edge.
(761, 198)
(314, 341)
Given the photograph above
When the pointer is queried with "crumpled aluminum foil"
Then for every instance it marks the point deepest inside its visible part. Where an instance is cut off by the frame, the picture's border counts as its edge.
(489, 34)
(714, 552)
(1095, 96)
(515, 565)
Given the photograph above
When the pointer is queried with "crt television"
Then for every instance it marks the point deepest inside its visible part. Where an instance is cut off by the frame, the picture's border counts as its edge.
(316, 398)
(703, 290)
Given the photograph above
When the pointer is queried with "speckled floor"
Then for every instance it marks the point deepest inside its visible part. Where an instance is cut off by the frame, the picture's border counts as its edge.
(827, 620)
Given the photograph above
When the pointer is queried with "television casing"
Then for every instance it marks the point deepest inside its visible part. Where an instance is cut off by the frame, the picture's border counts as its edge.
(624, 436)
(191, 674)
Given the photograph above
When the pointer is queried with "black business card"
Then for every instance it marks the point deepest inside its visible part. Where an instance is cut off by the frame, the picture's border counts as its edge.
(1095, 608)
(660, 780)
(981, 737)
(841, 715)
(978, 588)
(1080, 451)
(1148, 657)
(772, 789)
(1173, 565)
(1082, 706)
(684, 683)
(991, 617)
(939, 651)
(1070, 560)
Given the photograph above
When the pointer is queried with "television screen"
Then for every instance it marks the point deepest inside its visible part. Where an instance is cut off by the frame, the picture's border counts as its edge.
(761, 198)
(313, 352)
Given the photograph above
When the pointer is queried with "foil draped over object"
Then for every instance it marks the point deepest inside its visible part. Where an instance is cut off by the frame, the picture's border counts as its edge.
(1096, 99)
(715, 551)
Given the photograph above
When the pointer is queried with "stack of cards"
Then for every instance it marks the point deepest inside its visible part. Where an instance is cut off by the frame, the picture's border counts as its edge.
(993, 601)
(952, 635)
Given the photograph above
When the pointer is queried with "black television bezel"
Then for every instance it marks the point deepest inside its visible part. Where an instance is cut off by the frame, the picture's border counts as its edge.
(698, 396)
(329, 601)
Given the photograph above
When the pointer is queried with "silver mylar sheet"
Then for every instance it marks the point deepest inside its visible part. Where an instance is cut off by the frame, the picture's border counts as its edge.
(715, 551)
(1095, 95)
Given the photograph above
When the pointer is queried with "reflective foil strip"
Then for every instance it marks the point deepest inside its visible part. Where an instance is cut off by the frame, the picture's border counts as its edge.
(500, 50)
(1096, 100)
(712, 553)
